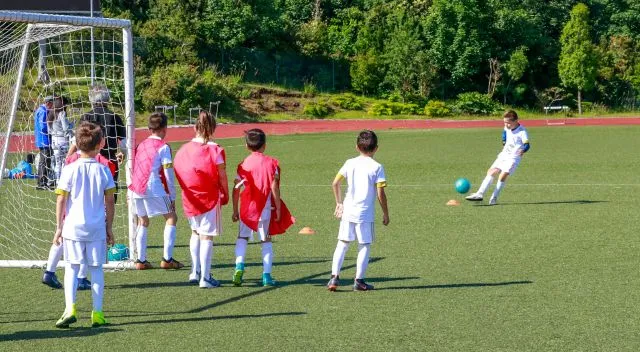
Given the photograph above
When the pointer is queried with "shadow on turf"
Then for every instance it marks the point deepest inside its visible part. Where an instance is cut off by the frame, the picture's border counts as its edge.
(467, 285)
(549, 202)
(55, 334)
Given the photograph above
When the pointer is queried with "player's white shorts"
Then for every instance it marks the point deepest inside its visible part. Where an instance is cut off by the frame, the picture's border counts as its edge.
(263, 230)
(92, 253)
(152, 206)
(350, 231)
(506, 163)
(207, 224)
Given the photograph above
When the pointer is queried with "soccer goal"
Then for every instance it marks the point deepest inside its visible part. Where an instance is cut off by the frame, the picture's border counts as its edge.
(44, 56)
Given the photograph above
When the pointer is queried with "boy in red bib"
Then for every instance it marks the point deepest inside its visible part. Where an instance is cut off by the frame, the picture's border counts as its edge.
(153, 192)
(201, 171)
(261, 209)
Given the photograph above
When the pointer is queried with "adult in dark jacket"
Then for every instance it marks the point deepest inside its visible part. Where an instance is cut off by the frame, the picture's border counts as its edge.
(43, 142)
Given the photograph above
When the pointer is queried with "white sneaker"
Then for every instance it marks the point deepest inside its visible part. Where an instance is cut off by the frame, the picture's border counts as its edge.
(194, 278)
(493, 201)
(209, 282)
(474, 197)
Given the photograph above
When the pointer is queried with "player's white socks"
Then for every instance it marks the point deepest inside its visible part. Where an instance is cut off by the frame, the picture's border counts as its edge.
(55, 253)
(338, 257)
(486, 183)
(70, 284)
(97, 287)
(241, 250)
(363, 260)
(82, 274)
(141, 243)
(267, 257)
(169, 241)
(206, 252)
(499, 187)
(194, 248)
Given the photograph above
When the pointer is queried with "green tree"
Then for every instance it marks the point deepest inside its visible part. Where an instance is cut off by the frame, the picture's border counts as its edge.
(578, 61)
(516, 67)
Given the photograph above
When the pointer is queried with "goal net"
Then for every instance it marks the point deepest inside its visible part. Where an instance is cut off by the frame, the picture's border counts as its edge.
(58, 68)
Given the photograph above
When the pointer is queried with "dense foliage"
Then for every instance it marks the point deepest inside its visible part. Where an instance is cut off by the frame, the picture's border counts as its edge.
(514, 51)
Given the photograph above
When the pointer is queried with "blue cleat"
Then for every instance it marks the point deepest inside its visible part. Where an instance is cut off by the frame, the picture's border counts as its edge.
(209, 282)
(333, 284)
(84, 284)
(194, 278)
(360, 285)
(49, 278)
(267, 280)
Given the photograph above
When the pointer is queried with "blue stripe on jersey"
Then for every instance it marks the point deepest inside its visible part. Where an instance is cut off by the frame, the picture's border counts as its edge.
(504, 137)
(526, 147)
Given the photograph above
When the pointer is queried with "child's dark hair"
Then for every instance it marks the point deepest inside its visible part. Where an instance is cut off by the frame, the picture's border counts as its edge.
(158, 121)
(88, 136)
(511, 115)
(206, 125)
(255, 138)
(367, 141)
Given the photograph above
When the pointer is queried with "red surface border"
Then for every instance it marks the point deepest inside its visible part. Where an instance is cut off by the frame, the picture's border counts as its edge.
(184, 133)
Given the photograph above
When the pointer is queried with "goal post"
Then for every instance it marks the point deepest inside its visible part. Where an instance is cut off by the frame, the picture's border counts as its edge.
(61, 59)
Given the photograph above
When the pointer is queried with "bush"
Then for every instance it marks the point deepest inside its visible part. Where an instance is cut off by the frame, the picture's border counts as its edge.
(475, 103)
(317, 109)
(347, 101)
(309, 90)
(437, 108)
(391, 108)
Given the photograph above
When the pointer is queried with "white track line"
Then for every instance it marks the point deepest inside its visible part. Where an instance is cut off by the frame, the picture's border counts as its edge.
(510, 185)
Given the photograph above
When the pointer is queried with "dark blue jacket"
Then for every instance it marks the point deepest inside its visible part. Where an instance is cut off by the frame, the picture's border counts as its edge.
(40, 129)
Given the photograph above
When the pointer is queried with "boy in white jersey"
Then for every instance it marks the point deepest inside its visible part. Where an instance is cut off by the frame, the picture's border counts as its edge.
(365, 182)
(153, 192)
(516, 142)
(85, 190)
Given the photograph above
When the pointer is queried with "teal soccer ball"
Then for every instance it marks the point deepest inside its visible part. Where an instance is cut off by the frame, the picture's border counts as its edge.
(462, 185)
(118, 252)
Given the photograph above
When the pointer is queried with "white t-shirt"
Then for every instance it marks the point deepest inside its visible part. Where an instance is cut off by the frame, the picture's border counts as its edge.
(514, 141)
(162, 162)
(362, 174)
(85, 183)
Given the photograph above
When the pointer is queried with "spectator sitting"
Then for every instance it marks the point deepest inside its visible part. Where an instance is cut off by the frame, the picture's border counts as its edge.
(22, 170)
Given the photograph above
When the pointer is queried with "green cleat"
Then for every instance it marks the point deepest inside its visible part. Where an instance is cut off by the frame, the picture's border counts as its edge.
(267, 280)
(98, 320)
(67, 318)
(237, 277)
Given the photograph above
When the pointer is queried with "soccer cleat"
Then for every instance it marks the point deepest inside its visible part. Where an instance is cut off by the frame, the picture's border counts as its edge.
(84, 284)
(170, 264)
(360, 285)
(209, 282)
(237, 277)
(98, 320)
(475, 197)
(333, 283)
(194, 278)
(143, 265)
(67, 318)
(493, 201)
(49, 278)
(267, 280)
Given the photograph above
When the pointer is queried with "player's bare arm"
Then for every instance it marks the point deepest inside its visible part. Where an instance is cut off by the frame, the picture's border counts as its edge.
(235, 199)
(223, 181)
(110, 206)
(60, 202)
(382, 199)
(337, 194)
(275, 195)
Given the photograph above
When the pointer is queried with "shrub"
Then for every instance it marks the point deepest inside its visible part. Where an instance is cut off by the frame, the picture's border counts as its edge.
(391, 108)
(317, 109)
(475, 103)
(437, 108)
(347, 101)
(309, 90)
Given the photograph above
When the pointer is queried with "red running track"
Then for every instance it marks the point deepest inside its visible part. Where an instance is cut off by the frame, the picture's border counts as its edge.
(184, 133)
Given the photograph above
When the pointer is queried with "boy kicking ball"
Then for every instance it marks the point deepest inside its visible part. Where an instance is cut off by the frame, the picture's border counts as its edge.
(516, 142)
(85, 189)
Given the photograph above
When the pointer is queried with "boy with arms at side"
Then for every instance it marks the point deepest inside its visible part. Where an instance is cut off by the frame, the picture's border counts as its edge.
(55, 252)
(201, 171)
(515, 140)
(260, 205)
(154, 192)
(85, 190)
(366, 181)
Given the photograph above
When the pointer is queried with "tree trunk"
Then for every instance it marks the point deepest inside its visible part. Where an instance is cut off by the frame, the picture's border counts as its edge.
(579, 102)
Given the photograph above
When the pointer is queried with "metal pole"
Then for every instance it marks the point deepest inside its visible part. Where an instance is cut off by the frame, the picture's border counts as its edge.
(93, 63)
(130, 118)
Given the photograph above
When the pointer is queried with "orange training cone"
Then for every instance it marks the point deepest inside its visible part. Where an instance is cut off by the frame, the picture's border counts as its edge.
(307, 231)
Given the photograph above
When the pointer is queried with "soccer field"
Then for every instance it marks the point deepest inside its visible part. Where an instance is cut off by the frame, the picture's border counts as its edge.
(552, 267)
